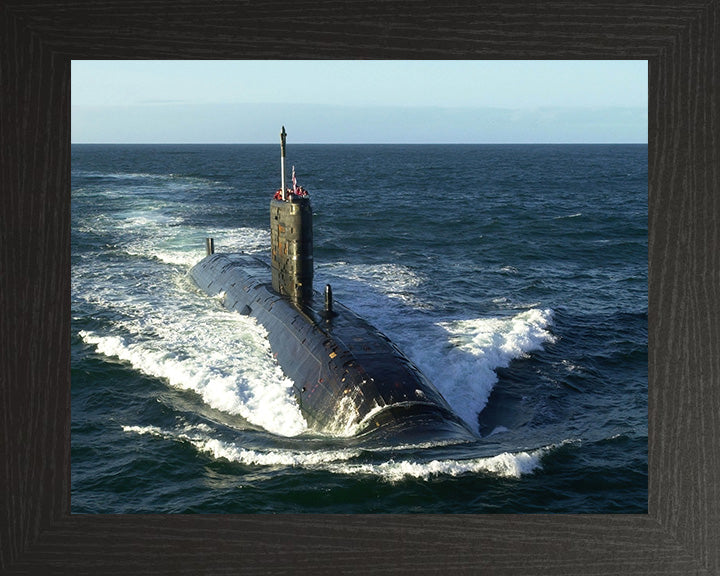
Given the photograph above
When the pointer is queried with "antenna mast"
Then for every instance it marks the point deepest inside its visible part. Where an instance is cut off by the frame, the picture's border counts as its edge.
(283, 135)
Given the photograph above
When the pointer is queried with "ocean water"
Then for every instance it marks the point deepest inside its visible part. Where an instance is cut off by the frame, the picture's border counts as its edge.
(515, 277)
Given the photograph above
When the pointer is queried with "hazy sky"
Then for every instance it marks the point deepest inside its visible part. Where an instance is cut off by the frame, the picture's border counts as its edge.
(359, 101)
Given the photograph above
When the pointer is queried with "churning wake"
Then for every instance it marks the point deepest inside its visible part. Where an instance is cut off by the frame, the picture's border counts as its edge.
(165, 328)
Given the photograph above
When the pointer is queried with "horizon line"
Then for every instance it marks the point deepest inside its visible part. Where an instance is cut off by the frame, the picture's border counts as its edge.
(358, 143)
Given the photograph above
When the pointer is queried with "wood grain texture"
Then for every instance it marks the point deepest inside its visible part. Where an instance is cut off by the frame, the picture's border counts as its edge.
(681, 533)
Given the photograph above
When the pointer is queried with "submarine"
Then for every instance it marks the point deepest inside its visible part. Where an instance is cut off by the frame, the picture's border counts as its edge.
(348, 378)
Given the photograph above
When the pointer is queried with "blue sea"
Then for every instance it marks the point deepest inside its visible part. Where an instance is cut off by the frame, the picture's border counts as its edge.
(514, 276)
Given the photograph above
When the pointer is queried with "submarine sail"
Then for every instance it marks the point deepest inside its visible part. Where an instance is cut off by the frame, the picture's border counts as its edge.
(349, 378)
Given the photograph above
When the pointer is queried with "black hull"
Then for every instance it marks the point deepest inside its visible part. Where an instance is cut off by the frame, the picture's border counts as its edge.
(349, 378)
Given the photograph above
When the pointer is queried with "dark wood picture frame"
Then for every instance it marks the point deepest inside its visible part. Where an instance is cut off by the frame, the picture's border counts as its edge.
(681, 532)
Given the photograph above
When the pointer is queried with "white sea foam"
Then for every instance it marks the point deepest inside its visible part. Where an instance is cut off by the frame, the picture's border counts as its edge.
(146, 218)
(250, 240)
(345, 421)
(223, 356)
(392, 280)
(175, 246)
(340, 461)
(505, 465)
(200, 437)
(182, 256)
(151, 430)
(285, 458)
(462, 366)
(132, 175)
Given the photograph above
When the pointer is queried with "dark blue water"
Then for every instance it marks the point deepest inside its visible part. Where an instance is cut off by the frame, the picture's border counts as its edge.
(515, 277)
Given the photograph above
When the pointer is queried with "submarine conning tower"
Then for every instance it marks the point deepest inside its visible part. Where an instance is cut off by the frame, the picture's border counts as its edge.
(291, 239)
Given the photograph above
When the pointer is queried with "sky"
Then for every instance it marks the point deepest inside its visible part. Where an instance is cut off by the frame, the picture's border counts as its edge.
(360, 101)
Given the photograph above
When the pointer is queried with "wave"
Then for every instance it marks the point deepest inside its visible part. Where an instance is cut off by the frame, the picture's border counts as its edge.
(342, 461)
(462, 365)
(225, 358)
(506, 465)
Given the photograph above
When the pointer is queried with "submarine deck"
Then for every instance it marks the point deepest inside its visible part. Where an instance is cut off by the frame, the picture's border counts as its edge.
(348, 377)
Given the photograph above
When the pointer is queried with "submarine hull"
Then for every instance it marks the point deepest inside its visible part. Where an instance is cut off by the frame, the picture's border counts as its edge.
(349, 378)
